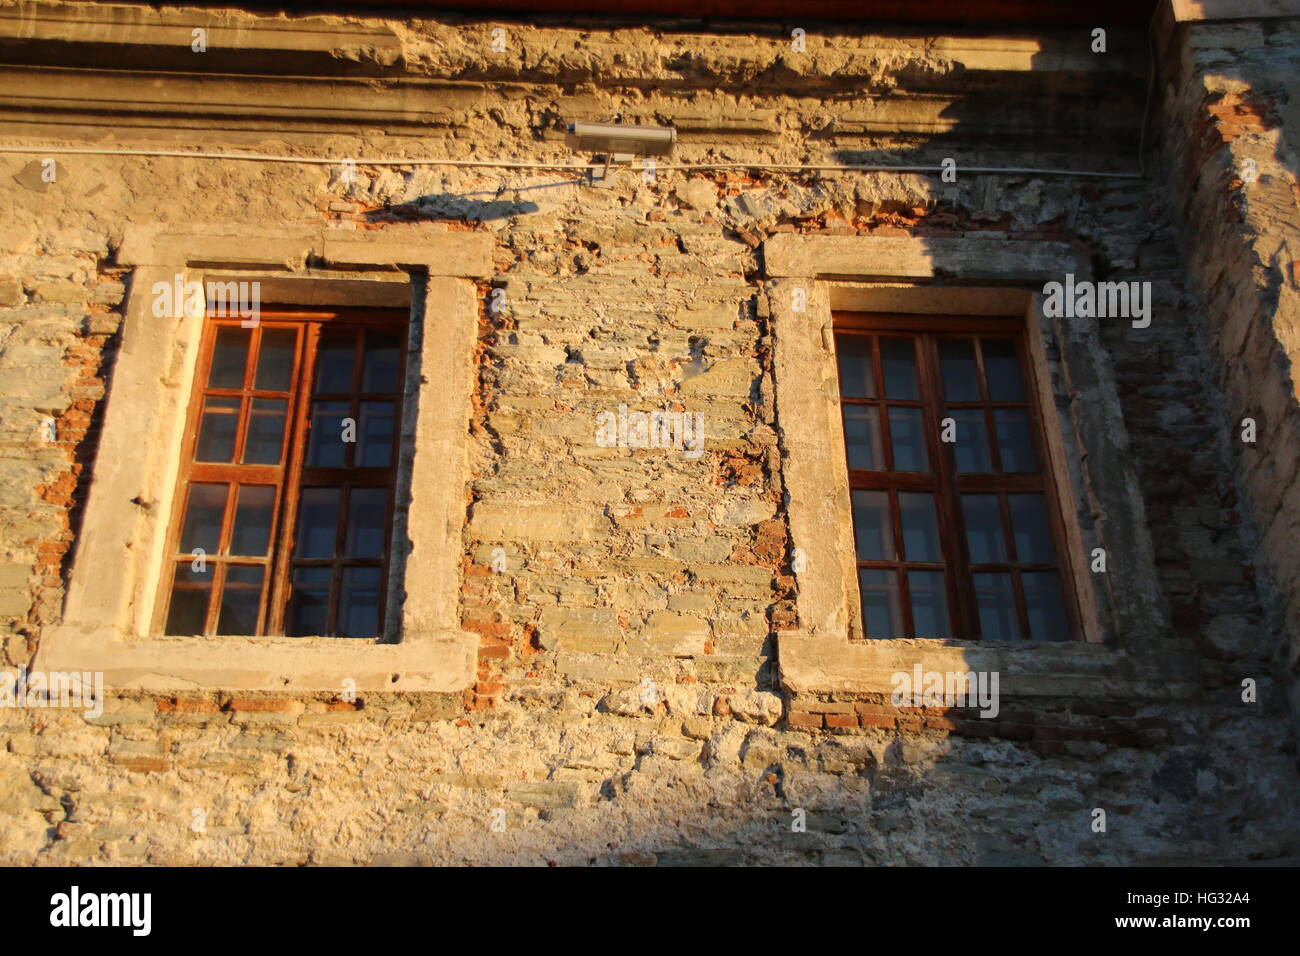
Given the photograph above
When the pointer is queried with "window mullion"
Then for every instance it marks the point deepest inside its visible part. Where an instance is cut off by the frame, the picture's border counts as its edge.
(217, 569)
(336, 569)
(900, 568)
(223, 548)
(882, 406)
(299, 416)
(947, 499)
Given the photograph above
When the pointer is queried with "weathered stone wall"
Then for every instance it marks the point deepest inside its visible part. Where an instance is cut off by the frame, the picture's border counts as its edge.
(626, 565)
(1233, 160)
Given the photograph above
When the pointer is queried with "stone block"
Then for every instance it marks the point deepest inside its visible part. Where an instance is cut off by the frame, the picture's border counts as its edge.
(509, 521)
(584, 630)
(678, 635)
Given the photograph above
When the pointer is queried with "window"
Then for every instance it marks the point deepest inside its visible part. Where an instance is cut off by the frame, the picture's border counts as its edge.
(121, 581)
(955, 517)
(287, 477)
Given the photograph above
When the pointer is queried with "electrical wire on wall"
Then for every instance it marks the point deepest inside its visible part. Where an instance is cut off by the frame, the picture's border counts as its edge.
(557, 167)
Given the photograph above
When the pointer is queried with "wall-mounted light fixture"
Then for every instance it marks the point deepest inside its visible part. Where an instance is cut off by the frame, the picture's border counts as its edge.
(619, 143)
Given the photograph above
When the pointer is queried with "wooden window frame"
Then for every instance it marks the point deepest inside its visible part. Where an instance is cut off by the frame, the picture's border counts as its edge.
(944, 482)
(292, 474)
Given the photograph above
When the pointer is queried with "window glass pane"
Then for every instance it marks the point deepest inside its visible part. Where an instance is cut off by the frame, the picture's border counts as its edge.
(203, 513)
(997, 606)
(1044, 606)
(857, 380)
(217, 430)
(872, 525)
(881, 609)
(265, 431)
(971, 450)
(334, 354)
(375, 434)
(229, 357)
(898, 362)
(380, 361)
(240, 598)
(1002, 371)
(1032, 531)
(929, 603)
(275, 360)
(367, 521)
(908, 436)
(960, 373)
(251, 532)
(1015, 444)
(308, 613)
(325, 446)
(984, 537)
(359, 603)
(318, 512)
(862, 436)
(920, 527)
(188, 611)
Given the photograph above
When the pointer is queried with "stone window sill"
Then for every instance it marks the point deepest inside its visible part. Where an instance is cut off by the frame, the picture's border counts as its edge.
(436, 661)
(1161, 670)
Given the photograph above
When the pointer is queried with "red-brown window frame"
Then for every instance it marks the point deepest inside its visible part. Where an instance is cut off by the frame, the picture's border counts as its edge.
(944, 482)
(292, 475)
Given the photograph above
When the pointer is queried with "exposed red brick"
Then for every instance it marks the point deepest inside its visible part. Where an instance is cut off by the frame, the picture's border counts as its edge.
(1238, 113)
(488, 628)
(806, 721)
(1015, 731)
(187, 705)
(1048, 748)
(264, 705)
(876, 720)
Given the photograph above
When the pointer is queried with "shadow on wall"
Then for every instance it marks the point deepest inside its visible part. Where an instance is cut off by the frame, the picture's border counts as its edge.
(1243, 202)
(464, 207)
(451, 207)
(899, 797)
